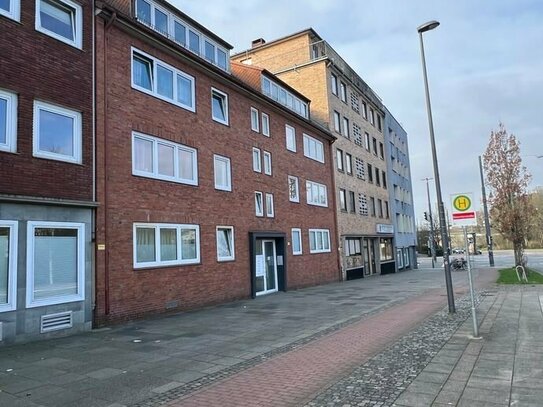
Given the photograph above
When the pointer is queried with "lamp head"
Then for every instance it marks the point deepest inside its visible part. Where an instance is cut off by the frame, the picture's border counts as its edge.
(430, 25)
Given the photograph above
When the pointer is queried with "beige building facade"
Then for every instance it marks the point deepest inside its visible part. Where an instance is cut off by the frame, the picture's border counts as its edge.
(343, 102)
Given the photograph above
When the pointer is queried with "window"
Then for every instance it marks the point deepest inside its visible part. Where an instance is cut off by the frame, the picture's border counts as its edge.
(284, 97)
(342, 200)
(313, 149)
(194, 42)
(8, 265)
(269, 206)
(259, 204)
(384, 179)
(265, 125)
(257, 166)
(370, 173)
(353, 247)
(377, 177)
(352, 202)
(293, 189)
(296, 241)
(333, 79)
(372, 120)
(387, 213)
(339, 158)
(345, 127)
(316, 193)
(357, 134)
(386, 249)
(8, 120)
(348, 164)
(179, 32)
(219, 106)
(319, 240)
(57, 133)
(343, 92)
(267, 163)
(209, 51)
(162, 81)
(225, 243)
(360, 169)
(290, 135)
(399, 257)
(379, 125)
(364, 110)
(55, 263)
(337, 122)
(380, 208)
(363, 204)
(254, 120)
(223, 175)
(381, 151)
(157, 158)
(367, 141)
(61, 19)
(374, 144)
(372, 206)
(165, 244)
(355, 103)
(11, 9)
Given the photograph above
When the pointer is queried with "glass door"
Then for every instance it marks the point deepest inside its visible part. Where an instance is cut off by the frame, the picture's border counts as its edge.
(266, 267)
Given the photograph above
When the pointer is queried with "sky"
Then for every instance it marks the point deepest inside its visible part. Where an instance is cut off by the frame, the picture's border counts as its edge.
(485, 66)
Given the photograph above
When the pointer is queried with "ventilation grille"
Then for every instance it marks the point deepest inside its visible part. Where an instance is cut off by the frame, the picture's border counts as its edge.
(55, 322)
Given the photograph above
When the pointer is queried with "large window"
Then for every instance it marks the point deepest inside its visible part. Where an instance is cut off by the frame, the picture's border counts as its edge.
(223, 174)
(319, 240)
(296, 241)
(8, 265)
(385, 246)
(55, 263)
(157, 158)
(293, 189)
(61, 19)
(11, 9)
(352, 246)
(316, 194)
(57, 133)
(290, 135)
(158, 79)
(165, 244)
(225, 243)
(313, 149)
(219, 106)
(8, 120)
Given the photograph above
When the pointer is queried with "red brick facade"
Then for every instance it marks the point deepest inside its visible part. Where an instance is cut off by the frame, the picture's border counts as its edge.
(124, 292)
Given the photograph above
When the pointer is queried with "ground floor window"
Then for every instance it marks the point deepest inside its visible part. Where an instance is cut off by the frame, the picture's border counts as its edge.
(225, 243)
(406, 261)
(296, 241)
(352, 247)
(8, 265)
(399, 258)
(319, 240)
(55, 263)
(386, 249)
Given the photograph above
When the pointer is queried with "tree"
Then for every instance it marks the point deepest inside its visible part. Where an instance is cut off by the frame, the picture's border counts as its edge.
(511, 209)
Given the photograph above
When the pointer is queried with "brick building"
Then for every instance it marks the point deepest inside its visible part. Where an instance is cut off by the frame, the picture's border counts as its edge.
(46, 167)
(343, 102)
(211, 188)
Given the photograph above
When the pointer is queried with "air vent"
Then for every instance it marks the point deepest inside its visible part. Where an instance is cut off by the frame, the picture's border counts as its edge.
(55, 322)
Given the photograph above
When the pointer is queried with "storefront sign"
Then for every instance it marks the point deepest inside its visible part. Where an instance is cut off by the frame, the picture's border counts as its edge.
(382, 228)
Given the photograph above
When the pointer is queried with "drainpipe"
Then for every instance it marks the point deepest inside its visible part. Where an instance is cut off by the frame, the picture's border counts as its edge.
(334, 202)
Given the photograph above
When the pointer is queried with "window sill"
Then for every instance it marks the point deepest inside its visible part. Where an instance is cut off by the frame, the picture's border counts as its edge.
(165, 266)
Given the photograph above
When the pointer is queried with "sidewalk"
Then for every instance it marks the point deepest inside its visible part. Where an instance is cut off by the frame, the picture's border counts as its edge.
(170, 359)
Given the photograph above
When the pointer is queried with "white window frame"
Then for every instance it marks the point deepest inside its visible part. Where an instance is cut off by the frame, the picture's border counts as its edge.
(257, 160)
(315, 201)
(224, 97)
(269, 207)
(337, 122)
(348, 164)
(76, 133)
(267, 163)
(261, 212)
(345, 129)
(343, 91)
(254, 120)
(339, 159)
(177, 148)
(333, 81)
(265, 124)
(228, 186)
(290, 138)
(77, 22)
(11, 121)
(308, 141)
(159, 263)
(299, 232)
(233, 256)
(297, 184)
(11, 303)
(80, 296)
(322, 233)
(154, 80)
(14, 11)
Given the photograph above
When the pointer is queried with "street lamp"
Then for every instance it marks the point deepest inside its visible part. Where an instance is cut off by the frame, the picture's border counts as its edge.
(430, 25)
(432, 239)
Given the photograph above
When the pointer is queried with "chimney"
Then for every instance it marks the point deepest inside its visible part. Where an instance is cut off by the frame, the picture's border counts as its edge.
(258, 42)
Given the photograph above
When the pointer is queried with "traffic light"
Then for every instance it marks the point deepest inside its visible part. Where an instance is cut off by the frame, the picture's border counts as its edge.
(426, 216)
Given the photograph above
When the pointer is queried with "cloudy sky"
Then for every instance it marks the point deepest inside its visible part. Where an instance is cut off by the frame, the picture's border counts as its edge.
(485, 65)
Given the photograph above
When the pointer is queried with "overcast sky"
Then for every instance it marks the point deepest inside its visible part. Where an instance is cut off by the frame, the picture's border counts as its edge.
(485, 65)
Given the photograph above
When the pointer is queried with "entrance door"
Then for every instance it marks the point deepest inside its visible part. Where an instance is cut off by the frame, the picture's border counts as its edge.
(369, 256)
(266, 267)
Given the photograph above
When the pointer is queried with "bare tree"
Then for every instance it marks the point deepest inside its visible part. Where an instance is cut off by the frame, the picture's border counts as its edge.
(510, 205)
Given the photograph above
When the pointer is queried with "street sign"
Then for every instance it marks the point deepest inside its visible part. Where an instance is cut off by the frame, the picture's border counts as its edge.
(463, 212)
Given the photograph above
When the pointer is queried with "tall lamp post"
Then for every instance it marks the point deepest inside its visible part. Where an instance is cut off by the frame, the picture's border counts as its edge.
(431, 219)
(430, 25)
(487, 221)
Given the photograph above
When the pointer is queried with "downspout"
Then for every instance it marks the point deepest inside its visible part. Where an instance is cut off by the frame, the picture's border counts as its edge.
(93, 216)
(334, 202)
(106, 160)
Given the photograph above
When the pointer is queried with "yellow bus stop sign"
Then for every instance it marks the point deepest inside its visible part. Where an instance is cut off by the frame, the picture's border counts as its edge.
(462, 203)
